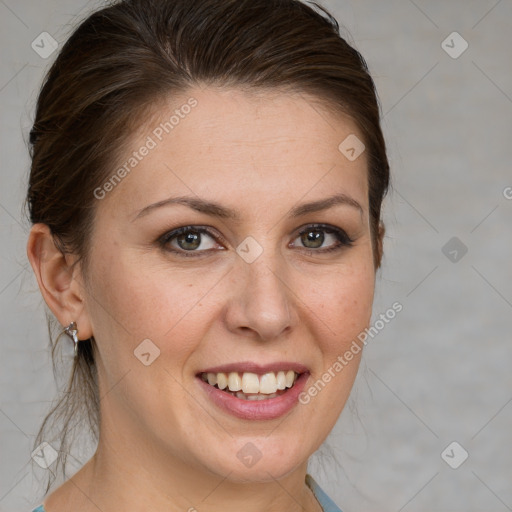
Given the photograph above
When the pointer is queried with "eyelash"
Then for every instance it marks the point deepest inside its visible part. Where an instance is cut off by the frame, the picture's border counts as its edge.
(343, 239)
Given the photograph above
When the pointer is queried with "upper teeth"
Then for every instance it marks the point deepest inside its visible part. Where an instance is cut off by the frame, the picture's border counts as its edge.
(251, 382)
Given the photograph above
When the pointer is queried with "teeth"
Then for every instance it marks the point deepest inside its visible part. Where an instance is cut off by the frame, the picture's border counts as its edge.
(222, 380)
(248, 385)
(243, 396)
(234, 382)
(281, 380)
(268, 383)
(290, 378)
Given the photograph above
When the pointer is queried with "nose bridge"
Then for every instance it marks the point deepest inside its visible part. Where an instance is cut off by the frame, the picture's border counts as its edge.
(265, 277)
(262, 302)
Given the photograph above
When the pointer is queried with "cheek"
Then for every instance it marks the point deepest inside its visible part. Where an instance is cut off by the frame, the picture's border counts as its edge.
(132, 302)
(351, 302)
(341, 307)
(137, 309)
(341, 301)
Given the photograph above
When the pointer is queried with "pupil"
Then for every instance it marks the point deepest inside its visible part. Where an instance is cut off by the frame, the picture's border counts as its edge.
(189, 238)
(311, 236)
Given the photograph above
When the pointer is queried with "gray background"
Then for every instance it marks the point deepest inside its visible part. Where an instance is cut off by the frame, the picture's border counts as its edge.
(440, 371)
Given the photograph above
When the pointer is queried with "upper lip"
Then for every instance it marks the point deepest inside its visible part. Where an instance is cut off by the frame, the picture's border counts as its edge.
(260, 369)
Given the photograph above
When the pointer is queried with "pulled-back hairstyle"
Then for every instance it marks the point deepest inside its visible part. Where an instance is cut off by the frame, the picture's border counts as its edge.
(125, 59)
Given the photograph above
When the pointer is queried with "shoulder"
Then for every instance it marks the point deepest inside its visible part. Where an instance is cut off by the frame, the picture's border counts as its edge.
(327, 504)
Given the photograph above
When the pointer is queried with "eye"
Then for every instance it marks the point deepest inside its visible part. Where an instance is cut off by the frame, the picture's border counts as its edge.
(188, 241)
(314, 236)
(193, 240)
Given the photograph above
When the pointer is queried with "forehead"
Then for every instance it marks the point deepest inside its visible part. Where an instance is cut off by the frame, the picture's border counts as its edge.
(230, 143)
(263, 119)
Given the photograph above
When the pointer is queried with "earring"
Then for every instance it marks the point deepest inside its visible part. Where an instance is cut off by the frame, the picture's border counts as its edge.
(72, 331)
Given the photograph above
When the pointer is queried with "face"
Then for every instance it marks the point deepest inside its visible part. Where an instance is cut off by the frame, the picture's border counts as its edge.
(267, 300)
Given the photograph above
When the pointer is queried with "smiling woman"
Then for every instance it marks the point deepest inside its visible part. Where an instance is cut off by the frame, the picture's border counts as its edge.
(211, 284)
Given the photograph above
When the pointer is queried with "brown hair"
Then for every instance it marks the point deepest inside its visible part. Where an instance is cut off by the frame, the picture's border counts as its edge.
(124, 59)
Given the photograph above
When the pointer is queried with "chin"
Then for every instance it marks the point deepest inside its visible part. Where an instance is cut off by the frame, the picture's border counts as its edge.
(257, 459)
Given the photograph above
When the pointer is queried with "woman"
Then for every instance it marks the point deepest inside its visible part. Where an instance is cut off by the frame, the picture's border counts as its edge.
(205, 193)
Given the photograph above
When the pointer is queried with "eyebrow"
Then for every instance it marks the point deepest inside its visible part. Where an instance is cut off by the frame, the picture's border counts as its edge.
(217, 210)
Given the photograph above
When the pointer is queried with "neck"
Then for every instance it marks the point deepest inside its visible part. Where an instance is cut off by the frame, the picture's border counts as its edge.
(146, 477)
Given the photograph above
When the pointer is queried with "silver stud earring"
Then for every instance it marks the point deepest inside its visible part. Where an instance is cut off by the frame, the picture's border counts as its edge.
(72, 331)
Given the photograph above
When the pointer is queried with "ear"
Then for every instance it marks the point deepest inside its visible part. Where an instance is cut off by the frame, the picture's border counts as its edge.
(60, 280)
(380, 243)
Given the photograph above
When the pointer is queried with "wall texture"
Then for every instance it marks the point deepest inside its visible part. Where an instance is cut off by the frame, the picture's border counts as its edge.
(435, 384)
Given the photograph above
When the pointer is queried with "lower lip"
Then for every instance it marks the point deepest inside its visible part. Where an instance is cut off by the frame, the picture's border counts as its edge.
(268, 409)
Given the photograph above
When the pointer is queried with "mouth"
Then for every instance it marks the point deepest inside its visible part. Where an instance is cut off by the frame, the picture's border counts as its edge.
(254, 392)
(252, 386)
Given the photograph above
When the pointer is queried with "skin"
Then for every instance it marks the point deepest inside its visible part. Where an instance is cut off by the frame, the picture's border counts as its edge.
(163, 444)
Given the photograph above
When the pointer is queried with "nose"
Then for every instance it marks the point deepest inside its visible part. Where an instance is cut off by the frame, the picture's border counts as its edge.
(261, 305)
